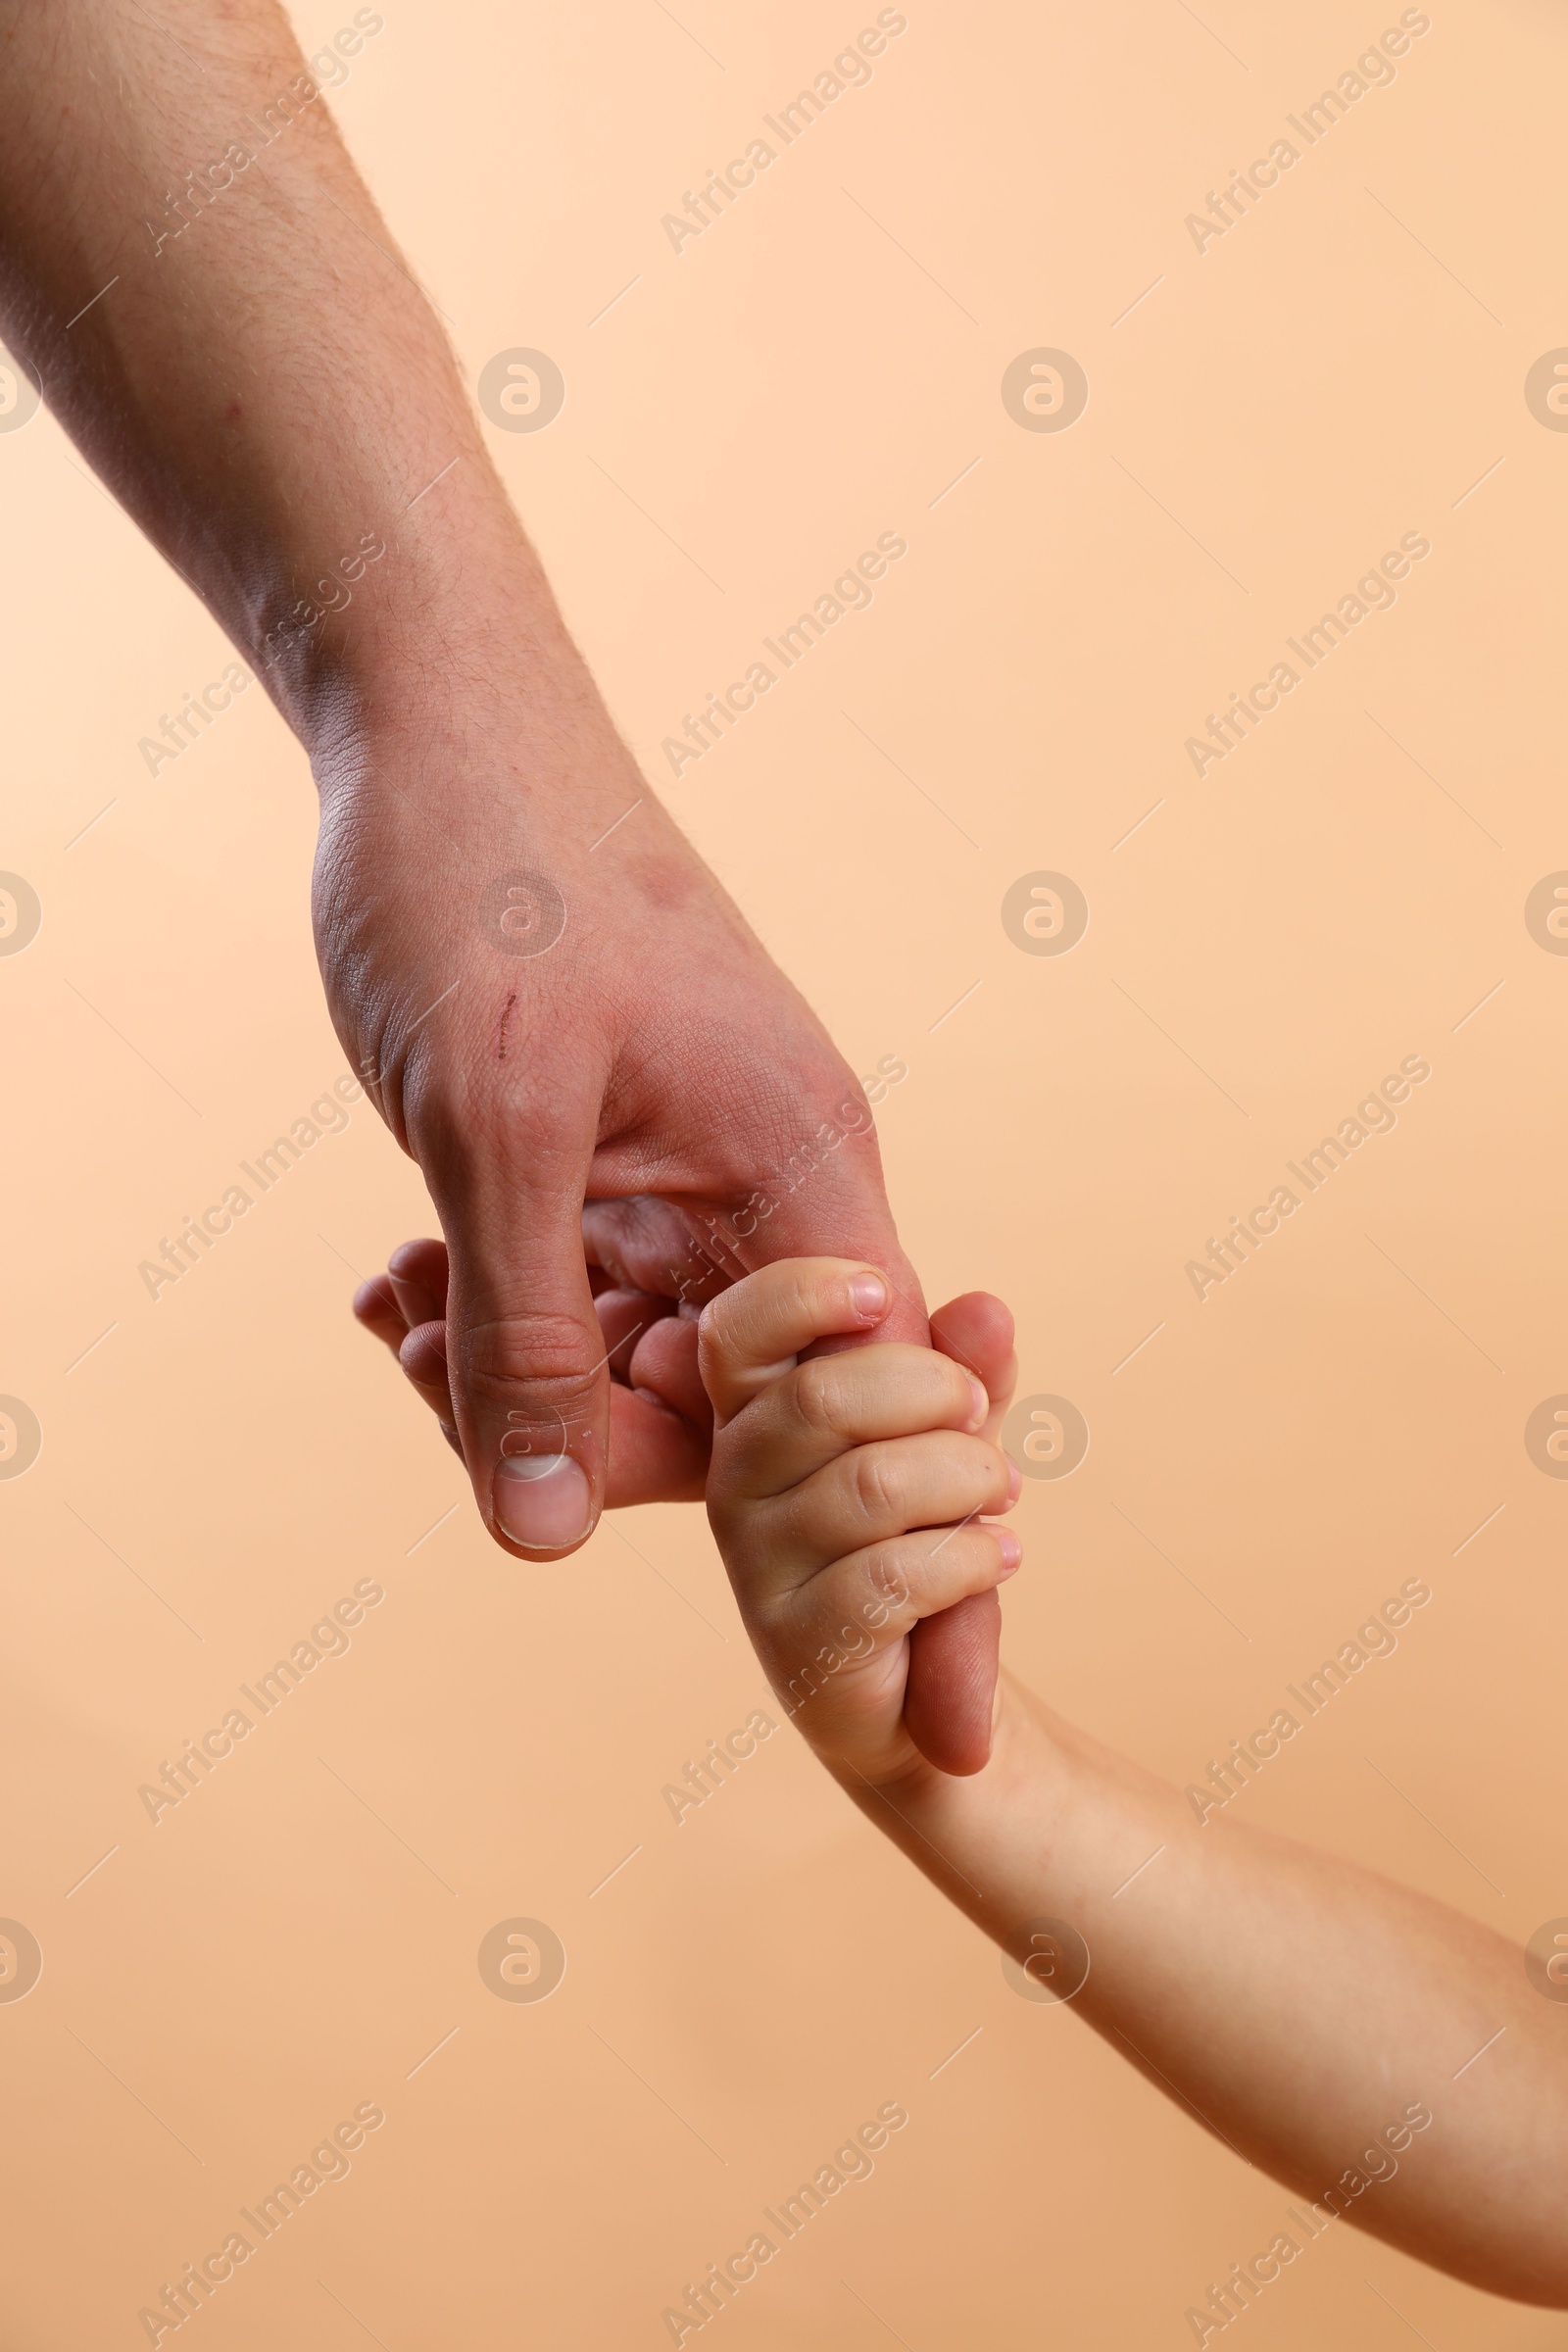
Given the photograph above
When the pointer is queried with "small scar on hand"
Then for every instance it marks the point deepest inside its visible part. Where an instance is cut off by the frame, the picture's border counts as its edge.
(506, 1015)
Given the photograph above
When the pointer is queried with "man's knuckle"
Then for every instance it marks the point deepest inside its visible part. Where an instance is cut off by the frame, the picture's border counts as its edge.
(551, 1357)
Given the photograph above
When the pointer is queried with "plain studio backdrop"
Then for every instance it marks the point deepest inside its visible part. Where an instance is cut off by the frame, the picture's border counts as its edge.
(1273, 405)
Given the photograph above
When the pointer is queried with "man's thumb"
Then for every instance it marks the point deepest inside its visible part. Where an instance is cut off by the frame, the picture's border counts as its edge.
(530, 1385)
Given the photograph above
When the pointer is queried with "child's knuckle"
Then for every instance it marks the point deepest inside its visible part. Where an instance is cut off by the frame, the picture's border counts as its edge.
(818, 1399)
(875, 1484)
(894, 1574)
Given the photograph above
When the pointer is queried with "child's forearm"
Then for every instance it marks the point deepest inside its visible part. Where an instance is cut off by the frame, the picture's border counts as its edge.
(1307, 2011)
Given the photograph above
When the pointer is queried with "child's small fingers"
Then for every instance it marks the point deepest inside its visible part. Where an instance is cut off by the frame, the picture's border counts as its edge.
(832, 1403)
(875, 1596)
(753, 1332)
(880, 1492)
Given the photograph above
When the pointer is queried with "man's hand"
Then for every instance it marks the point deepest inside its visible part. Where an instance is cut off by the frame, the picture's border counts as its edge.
(546, 992)
(544, 1022)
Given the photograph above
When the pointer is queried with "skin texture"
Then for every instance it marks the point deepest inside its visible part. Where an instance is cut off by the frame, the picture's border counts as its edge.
(1307, 2012)
(218, 317)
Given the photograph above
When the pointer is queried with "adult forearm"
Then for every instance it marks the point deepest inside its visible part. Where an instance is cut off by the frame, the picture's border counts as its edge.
(219, 318)
(1298, 2006)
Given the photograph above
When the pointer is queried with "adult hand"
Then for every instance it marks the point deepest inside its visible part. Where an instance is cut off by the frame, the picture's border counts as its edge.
(550, 1013)
(548, 994)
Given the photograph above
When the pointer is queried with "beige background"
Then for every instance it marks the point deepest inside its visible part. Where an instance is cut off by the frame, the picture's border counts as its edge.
(818, 368)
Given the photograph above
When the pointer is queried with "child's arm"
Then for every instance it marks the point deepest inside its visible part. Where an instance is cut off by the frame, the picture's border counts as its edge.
(1385, 2057)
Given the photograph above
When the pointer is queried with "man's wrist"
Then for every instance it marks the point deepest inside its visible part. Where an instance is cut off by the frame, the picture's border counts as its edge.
(396, 611)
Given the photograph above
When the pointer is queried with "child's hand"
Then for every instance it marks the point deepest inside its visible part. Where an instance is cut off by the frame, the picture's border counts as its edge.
(846, 1494)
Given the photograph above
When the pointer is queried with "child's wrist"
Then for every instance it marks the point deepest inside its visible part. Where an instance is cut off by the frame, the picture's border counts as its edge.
(1021, 1755)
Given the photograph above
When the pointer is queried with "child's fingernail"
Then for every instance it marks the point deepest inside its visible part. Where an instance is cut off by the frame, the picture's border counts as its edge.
(1011, 1548)
(1014, 1482)
(982, 1403)
(871, 1294)
(542, 1503)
